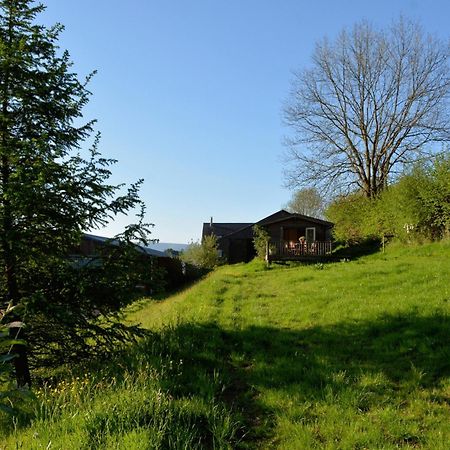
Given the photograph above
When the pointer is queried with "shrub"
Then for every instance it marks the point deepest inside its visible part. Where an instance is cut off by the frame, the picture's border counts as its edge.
(416, 206)
(204, 255)
(348, 213)
(260, 239)
(434, 197)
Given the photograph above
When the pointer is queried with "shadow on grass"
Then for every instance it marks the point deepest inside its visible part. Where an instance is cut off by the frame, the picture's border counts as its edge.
(232, 367)
(169, 292)
(406, 350)
(142, 300)
(355, 251)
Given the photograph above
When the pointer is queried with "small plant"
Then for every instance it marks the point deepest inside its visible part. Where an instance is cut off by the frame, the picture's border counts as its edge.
(260, 239)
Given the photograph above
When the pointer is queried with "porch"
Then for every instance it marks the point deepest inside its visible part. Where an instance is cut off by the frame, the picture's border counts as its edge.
(293, 251)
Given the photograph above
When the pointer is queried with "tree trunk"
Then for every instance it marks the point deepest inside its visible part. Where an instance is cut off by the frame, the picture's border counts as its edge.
(21, 367)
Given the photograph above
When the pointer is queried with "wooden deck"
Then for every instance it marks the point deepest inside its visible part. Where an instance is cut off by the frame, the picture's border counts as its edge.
(298, 251)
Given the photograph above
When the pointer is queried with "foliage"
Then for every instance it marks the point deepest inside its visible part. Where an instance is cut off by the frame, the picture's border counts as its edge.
(417, 206)
(372, 101)
(432, 182)
(348, 214)
(204, 255)
(260, 240)
(51, 190)
(307, 201)
(86, 295)
(171, 252)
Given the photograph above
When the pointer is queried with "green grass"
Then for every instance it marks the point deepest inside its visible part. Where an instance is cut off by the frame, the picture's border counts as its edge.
(349, 355)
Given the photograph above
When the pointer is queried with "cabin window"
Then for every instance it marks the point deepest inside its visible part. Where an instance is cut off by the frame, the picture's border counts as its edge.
(310, 234)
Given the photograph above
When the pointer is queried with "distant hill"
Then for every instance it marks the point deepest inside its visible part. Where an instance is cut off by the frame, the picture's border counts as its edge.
(161, 246)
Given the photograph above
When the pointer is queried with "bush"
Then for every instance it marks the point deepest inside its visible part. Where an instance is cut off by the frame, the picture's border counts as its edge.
(204, 255)
(260, 239)
(434, 198)
(417, 206)
(348, 214)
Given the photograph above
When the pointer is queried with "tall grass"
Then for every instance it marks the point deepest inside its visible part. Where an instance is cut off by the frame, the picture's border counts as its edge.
(335, 356)
(130, 403)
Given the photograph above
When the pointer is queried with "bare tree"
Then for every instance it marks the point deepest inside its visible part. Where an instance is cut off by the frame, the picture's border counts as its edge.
(307, 201)
(373, 100)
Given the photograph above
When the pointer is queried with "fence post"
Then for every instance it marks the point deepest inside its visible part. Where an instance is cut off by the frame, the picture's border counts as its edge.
(267, 254)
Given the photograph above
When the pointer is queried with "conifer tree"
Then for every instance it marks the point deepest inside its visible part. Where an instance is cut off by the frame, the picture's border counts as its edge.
(49, 191)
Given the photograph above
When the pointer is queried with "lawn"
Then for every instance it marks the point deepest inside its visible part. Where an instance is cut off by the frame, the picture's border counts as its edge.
(346, 355)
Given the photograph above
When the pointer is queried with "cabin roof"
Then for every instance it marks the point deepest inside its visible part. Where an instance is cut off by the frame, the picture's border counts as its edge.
(115, 242)
(222, 229)
(244, 230)
(281, 215)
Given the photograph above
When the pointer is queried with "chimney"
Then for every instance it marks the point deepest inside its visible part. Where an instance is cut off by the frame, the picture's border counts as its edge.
(211, 222)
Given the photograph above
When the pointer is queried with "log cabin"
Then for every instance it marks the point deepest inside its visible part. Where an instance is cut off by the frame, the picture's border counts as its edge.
(292, 237)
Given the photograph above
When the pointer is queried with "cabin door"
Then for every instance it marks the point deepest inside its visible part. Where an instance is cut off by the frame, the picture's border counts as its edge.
(291, 235)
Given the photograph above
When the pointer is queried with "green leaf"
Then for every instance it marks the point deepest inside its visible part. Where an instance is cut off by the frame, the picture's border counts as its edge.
(14, 342)
(6, 358)
(7, 409)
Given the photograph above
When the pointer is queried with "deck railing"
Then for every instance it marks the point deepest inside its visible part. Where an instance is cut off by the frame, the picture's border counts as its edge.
(294, 250)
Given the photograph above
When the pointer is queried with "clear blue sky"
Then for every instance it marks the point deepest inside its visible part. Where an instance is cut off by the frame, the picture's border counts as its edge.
(188, 93)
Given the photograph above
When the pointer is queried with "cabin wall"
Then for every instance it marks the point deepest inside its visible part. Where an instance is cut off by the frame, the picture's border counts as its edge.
(239, 247)
(237, 250)
(241, 250)
(293, 229)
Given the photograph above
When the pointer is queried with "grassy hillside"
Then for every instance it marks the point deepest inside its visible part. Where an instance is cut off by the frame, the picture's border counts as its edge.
(345, 355)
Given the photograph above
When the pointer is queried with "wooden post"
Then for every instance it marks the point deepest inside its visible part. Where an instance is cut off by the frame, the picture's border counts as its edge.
(267, 254)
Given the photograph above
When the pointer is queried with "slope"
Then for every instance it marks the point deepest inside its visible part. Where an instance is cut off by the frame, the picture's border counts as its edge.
(343, 355)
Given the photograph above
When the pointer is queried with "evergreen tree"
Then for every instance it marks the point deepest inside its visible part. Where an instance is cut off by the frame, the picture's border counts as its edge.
(49, 192)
